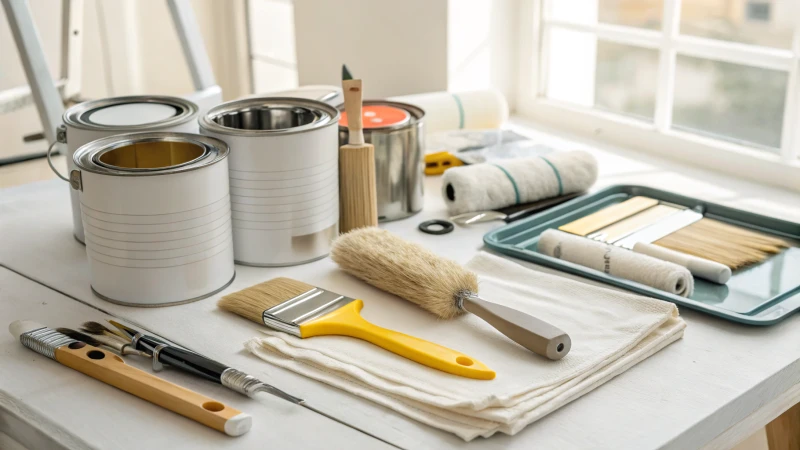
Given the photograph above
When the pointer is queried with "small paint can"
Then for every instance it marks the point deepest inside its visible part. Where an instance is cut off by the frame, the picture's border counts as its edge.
(156, 213)
(95, 119)
(396, 131)
(284, 177)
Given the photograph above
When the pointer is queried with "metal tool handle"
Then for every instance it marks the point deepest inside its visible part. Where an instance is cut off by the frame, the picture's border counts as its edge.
(534, 334)
(50, 162)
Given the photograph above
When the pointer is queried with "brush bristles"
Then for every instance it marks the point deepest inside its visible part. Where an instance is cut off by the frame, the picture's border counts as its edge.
(99, 329)
(736, 247)
(251, 303)
(78, 336)
(404, 269)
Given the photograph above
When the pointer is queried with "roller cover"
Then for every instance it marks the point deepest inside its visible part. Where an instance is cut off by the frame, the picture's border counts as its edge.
(490, 186)
(617, 262)
(471, 110)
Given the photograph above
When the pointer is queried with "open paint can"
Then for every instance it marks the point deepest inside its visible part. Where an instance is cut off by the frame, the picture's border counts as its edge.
(92, 120)
(155, 209)
(396, 131)
(284, 177)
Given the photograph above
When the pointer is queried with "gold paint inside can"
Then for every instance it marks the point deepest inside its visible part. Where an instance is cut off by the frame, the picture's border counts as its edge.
(151, 155)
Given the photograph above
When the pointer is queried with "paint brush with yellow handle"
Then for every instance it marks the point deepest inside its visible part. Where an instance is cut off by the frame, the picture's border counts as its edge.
(112, 370)
(306, 311)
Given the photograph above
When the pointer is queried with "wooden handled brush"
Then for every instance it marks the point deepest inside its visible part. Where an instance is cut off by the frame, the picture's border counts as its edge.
(644, 220)
(358, 198)
(440, 286)
(306, 311)
(112, 370)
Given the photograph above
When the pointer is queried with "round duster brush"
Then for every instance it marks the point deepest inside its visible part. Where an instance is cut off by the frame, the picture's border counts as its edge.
(440, 286)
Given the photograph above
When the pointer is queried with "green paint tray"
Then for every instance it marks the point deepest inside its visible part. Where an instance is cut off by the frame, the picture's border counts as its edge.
(762, 294)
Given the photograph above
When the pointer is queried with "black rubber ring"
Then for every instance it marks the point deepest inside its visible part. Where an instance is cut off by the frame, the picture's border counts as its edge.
(447, 227)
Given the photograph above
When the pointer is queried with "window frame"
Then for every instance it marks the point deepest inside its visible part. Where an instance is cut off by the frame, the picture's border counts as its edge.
(657, 137)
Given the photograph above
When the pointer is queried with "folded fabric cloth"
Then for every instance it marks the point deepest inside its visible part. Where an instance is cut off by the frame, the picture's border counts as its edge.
(489, 186)
(610, 330)
(617, 261)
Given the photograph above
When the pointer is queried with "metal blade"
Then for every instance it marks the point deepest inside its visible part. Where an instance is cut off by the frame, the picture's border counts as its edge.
(660, 229)
(311, 408)
(477, 217)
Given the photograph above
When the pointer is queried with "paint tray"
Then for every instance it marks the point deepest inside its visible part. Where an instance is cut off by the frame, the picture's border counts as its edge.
(762, 294)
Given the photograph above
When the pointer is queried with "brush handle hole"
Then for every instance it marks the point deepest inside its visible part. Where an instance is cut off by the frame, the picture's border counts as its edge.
(213, 406)
(464, 361)
(96, 354)
(560, 348)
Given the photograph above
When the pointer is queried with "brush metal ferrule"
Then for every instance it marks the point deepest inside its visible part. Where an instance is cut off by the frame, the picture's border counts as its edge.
(461, 296)
(310, 305)
(249, 385)
(45, 341)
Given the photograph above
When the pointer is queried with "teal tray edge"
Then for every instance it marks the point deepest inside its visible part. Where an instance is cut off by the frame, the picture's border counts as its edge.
(771, 314)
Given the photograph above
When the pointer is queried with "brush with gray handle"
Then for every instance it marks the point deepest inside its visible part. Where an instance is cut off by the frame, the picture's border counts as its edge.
(440, 286)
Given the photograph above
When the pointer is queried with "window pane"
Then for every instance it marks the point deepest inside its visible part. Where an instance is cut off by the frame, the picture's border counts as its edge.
(632, 13)
(758, 22)
(730, 101)
(592, 73)
(626, 79)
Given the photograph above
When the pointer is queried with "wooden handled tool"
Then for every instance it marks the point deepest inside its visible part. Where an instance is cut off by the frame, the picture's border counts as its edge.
(112, 370)
(358, 198)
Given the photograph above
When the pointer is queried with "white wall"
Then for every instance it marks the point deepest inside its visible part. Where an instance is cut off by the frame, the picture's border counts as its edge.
(397, 47)
(482, 45)
(408, 47)
(272, 45)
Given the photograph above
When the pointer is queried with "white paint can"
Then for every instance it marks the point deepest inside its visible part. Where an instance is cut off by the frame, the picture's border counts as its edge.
(92, 120)
(155, 208)
(284, 177)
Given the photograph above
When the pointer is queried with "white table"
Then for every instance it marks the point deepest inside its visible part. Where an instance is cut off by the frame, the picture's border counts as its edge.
(719, 384)
(77, 411)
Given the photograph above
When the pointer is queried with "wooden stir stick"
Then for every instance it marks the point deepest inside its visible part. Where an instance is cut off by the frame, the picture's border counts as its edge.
(358, 199)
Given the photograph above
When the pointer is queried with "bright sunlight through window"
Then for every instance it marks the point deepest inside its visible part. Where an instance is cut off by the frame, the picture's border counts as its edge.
(721, 71)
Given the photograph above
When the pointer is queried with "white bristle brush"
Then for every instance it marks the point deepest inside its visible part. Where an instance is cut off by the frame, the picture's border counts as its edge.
(440, 286)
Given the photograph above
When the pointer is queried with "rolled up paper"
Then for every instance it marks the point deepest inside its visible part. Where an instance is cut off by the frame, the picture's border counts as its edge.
(470, 110)
(617, 261)
(699, 267)
(489, 186)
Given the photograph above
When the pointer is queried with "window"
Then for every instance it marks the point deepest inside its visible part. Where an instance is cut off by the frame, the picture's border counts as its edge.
(710, 80)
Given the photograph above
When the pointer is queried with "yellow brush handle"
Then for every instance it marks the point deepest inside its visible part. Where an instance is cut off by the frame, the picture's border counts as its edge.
(111, 369)
(347, 321)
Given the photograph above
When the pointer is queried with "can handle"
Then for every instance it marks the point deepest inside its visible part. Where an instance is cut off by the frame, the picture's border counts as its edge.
(50, 162)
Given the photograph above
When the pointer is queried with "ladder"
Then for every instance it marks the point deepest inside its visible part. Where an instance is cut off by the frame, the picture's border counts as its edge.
(49, 95)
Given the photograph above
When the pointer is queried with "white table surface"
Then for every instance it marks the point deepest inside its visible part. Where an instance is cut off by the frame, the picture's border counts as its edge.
(720, 381)
(80, 412)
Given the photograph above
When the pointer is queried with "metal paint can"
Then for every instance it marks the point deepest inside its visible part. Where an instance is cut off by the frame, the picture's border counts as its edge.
(156, 212)
(399, 159)
(284, 177)
(92, 120)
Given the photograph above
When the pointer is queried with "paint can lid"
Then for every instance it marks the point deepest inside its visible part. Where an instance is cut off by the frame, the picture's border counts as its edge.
(379, 116)
(131, 113)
